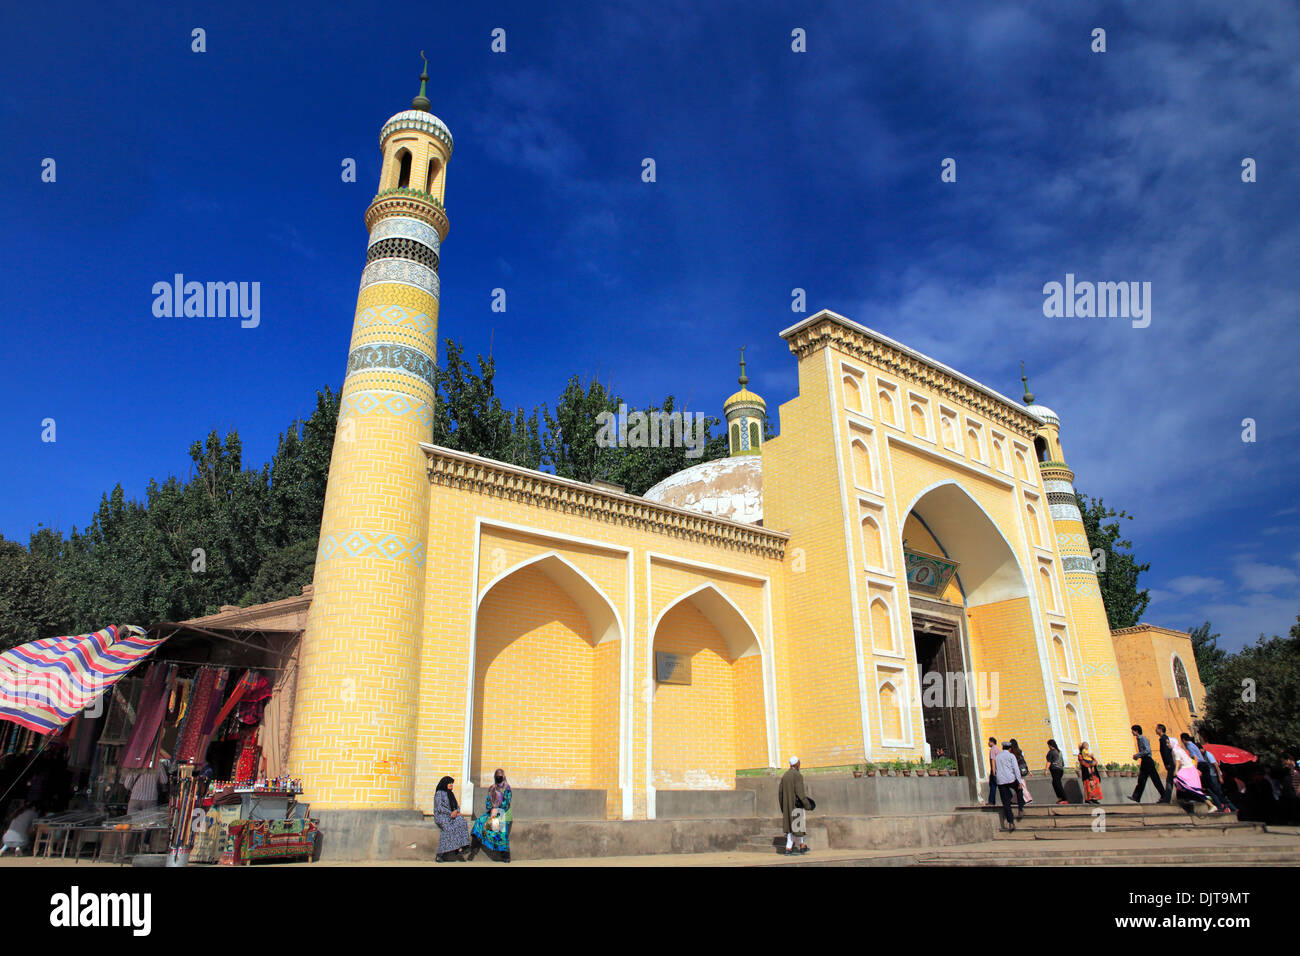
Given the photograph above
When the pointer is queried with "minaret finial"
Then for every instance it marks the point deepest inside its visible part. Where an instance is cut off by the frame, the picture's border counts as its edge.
(1029, 396)
(744, 379)
(421, 102)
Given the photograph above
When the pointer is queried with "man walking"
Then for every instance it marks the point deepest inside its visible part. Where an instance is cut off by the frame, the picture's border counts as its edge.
(1208, 782)
(994, 749)
(793, 801)
(1146, 767)
(1167, 758)
(1007, 771)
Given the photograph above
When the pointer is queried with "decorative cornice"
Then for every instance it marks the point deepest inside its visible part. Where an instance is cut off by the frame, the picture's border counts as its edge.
(458, 469)
(828, 330)
(403, 201)
(1055, 471)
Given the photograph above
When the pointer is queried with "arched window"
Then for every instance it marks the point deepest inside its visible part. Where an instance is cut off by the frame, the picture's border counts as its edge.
(1062, 658)
(433, 175)
(1035, 534)
(1040, 446)
(975, 451)
(861, 465)
(882, 633)
(872, 549)
(886, 406)
(1023, 465)
(852, 394)
(918, 421)
(1183, 685)
(404, 169)
(753, 435)
(891, 713)
(949, 439)
(1045, 580)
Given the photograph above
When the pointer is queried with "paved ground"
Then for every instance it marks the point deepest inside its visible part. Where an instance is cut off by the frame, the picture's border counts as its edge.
(1281, 838)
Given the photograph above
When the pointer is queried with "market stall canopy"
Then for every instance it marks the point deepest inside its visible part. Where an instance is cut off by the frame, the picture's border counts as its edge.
(45, 683)
(1225, 754)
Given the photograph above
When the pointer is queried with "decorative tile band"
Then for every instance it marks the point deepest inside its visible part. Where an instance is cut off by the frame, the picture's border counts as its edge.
(1061, 487)
(403, 271)
(1064, 512)
(1077, 564)
(403, 227)
(416, 119)
(1067, 541)
(371, 544)
(396, 315)
(386, 403)
(387, 356)
(403, 249)
(1083, 587)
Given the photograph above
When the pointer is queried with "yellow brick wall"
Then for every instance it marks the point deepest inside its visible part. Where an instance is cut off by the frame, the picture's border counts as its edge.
(695, 724)
(751, 730)
(535, 686)
(1144, 659)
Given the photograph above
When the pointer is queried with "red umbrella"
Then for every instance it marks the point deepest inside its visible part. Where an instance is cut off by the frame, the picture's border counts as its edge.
(1230, 754)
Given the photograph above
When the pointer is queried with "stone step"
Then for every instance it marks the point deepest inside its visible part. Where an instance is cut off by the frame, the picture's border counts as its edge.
(771, 840)
(1202, 858)
(1172, 833)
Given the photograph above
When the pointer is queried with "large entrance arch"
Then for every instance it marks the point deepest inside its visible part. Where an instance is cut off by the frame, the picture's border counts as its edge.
(546, 680)
(973, 630)
(708, 715)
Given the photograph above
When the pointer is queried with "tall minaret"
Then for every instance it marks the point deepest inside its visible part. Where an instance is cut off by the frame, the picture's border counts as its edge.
(354, 723)
(1109, 737)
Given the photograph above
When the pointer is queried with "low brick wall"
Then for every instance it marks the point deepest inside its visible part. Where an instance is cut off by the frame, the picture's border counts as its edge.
(844, 794)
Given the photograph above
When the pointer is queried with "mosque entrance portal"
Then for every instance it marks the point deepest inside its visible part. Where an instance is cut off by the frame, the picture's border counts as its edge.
(946, 697)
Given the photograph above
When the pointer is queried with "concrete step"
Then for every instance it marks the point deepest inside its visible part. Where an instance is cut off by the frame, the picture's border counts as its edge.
(770, 839)
(1171, 833)
(1200, 858)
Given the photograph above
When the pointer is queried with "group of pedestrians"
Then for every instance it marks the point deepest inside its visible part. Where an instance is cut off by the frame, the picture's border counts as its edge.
(491, 830)
(1008, 770)
(1191, 772)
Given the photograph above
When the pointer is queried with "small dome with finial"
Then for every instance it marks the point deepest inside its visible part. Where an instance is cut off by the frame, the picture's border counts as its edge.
(1038, 411)
(744, 396)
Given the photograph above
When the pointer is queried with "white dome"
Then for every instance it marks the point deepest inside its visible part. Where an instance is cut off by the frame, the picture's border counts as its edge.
(725, 488)
(416, 119)
(1046, 414)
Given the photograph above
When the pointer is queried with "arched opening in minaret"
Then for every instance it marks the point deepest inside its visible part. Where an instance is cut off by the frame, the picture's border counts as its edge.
(432, 178)
(735, 438)
(973, 630)
(754, 439)
(404, 168)
(1040, 446)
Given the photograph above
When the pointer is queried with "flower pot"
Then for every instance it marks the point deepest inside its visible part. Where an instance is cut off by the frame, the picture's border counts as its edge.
(934, 773)
(857, 773)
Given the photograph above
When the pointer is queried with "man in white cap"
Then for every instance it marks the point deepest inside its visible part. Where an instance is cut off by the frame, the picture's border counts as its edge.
(791, 797)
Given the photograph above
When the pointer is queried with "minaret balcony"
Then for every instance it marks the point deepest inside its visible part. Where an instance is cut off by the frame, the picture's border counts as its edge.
(404, 201)
(1055, 471)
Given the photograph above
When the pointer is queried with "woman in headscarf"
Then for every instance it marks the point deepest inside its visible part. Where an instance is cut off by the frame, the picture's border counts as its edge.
(492, 829)
(1089, 775)
(453, 833)
(1187, 778)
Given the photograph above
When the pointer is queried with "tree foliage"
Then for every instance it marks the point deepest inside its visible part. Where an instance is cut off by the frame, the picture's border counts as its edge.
(1255, 700)
(1118, 576)
(1209, 656)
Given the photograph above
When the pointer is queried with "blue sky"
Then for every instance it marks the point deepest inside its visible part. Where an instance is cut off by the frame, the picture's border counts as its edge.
(775, 170)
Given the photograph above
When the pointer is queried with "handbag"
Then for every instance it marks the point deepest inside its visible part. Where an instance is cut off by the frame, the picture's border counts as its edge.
(494, 823)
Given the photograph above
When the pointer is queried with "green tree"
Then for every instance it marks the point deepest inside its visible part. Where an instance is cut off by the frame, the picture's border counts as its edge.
(33, 604)
(1209, 656)
(469, 415)
(569, 445)
(1118, 575)
(1253, 703)
(640, 469)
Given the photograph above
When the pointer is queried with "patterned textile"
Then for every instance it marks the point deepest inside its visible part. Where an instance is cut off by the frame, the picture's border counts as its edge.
(246, 765)
(250, 840)
(149, 715)
(191, 731)
(254, 702)
(277, 720)
(498, 840)
(44, 684)
(453, 831)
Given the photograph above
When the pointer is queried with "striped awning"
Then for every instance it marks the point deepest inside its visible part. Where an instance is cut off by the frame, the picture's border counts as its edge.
(44, 684)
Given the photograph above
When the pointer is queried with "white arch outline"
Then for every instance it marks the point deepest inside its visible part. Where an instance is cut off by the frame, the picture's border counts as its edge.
(1191, 699)
(763, 655)
(1045, 666)
(621, 635)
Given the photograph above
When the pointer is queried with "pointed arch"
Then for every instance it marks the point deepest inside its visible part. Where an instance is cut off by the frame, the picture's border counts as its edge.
(602, 614)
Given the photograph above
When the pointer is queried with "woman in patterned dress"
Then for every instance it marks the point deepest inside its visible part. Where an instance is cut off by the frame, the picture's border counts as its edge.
(1089, 774)
(453, 833)
(489, 835)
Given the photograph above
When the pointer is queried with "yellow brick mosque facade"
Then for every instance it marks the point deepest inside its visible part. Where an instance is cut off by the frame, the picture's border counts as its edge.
(813, 594)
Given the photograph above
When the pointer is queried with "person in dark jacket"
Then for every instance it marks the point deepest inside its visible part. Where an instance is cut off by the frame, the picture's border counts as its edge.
(1146, 767)
(791, 797)
(1167, 758)
(1056, 767)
